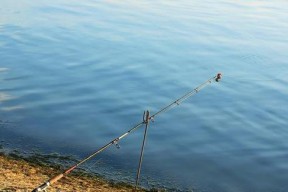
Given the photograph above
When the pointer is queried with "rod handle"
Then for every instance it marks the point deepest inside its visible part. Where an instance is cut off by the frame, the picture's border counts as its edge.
(56, 178)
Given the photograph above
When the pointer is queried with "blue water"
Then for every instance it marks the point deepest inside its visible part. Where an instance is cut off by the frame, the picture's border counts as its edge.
(76, 74)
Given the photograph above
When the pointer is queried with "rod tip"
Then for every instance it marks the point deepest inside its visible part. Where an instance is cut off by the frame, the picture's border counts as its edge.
(218, 77)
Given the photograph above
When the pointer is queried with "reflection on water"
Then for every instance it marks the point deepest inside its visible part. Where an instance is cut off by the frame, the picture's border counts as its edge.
(3, 69)
(74, 75)
(4, 97)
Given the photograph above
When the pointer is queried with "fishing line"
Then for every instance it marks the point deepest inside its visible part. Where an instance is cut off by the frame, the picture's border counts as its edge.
(243, 78)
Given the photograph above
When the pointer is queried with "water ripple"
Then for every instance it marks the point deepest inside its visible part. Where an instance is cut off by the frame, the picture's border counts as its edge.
(85, 72)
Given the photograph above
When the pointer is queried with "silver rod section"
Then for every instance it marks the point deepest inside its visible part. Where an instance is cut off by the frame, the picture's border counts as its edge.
(184, 97)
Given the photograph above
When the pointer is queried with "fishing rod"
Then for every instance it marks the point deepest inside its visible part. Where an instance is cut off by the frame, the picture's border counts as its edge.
(115, 141)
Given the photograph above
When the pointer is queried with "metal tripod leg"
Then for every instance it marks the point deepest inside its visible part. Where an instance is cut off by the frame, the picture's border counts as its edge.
(146, 118)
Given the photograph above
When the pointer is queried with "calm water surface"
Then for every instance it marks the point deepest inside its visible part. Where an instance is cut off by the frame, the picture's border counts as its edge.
(76, 74)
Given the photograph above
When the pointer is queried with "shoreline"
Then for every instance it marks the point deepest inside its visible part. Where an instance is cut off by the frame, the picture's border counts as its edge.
(20, 174)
